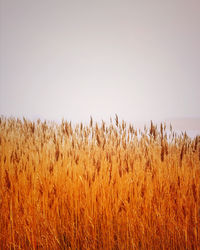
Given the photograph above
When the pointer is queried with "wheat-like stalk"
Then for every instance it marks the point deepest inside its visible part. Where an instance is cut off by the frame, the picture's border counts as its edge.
(101, 186)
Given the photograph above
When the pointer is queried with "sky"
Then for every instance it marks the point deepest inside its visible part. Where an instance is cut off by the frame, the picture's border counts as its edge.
(76, 59)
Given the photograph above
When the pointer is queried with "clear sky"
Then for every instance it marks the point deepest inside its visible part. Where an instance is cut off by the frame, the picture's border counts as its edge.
(72, 59)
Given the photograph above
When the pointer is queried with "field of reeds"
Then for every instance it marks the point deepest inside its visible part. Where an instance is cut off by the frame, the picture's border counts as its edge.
(97, 186)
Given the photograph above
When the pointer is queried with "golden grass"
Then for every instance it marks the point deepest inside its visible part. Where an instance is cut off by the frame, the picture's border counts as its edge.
(97, 186)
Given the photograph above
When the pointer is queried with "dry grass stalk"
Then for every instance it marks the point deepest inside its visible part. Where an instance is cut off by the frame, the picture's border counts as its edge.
(97, 187)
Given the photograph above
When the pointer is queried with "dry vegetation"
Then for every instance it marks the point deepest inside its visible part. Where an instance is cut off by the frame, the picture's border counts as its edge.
(97, 187)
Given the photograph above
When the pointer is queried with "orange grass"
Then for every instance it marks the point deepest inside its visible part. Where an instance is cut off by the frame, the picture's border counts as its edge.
(97, 187)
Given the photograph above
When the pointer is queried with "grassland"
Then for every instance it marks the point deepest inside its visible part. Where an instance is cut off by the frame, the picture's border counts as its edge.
(100, 186)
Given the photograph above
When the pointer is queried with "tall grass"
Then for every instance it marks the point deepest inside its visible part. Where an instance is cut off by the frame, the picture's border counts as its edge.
(101, 186)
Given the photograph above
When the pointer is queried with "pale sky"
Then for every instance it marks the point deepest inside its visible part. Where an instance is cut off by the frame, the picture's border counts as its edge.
(72, 59)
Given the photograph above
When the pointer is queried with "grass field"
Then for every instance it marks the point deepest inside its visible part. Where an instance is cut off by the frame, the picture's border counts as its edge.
(100, 186)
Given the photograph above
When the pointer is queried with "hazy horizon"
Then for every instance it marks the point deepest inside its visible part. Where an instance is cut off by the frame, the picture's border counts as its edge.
(75, 59)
